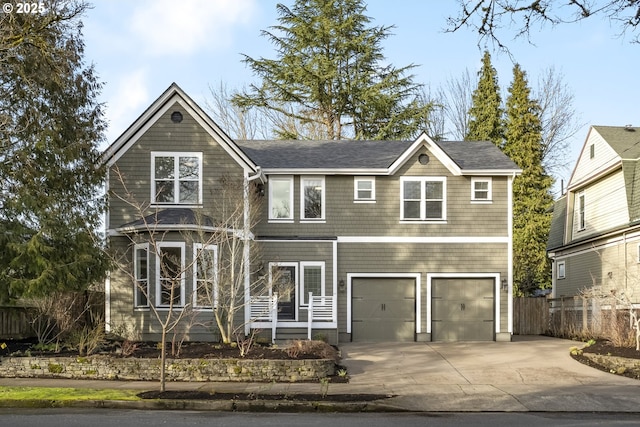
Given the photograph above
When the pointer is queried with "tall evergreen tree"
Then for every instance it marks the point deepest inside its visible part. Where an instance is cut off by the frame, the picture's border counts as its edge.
(50, 127)
(486, 112)
(330, 73)
(531, 190)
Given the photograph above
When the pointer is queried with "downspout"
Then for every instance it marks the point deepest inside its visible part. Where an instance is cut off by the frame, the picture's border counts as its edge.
(510, 254)
(247, 248)
(107, 280)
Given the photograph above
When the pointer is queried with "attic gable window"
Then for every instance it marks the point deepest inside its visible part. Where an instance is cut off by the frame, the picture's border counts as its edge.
(177, 178)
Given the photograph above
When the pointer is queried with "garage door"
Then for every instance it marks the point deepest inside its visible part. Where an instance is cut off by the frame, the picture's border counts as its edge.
(383, 310)
(462, 309)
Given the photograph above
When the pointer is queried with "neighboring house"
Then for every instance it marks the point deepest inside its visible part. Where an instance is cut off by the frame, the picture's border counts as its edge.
(395, 240)
(595, 231)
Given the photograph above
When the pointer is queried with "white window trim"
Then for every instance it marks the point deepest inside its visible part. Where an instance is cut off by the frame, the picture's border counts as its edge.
(136, 289)
(303, 290)
(561, 271)
(322, 201)
(359, 179)
(489, 198)
(422, 180)
(582, 211)
(296, 285)
(176, 155)
(638, 253)
(196, 248)
(159, 247)
(289, 179)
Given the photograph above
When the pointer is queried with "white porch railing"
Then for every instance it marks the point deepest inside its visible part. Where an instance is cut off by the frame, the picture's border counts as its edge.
(264, 312)
(321, 309)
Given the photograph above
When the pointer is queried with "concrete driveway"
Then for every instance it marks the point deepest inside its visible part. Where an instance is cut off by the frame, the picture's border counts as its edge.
(531, 373)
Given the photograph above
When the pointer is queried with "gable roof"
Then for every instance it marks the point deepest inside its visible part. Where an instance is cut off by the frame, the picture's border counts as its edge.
(625, 140)
(376, 157)
(160, 106)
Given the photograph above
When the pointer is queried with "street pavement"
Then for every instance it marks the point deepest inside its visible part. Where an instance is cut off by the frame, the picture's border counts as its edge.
(531, 373)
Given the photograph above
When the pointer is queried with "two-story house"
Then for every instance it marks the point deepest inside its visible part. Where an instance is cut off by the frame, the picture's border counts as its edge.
(595, 231)
(375, 240)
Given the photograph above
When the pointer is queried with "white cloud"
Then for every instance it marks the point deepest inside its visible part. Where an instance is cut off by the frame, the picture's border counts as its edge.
(127, 100)
(170, 27)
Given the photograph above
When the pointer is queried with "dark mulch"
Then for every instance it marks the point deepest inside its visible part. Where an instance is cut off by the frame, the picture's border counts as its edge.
(308, 397)
(606, 348)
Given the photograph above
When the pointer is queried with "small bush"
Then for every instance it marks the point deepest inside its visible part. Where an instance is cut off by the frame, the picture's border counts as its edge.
(318, 349)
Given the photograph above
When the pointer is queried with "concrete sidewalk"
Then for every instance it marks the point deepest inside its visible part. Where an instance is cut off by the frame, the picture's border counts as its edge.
(529, 374)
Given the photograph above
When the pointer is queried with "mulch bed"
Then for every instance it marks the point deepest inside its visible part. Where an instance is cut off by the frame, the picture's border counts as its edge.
(298, 397)
(606, 349)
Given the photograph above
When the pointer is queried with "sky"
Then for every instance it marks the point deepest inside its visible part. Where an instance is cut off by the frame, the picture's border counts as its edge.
(139, 48)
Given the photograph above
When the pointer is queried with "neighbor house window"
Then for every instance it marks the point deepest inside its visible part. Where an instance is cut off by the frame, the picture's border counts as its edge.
(141, 272)
(364, 189)
(560, 270)
(170, 274)
(281, 197)
(177, 178)
(312, 197)
(311, 280)
(481, 189)
(423, 198)
(205, 267)
(581, 212)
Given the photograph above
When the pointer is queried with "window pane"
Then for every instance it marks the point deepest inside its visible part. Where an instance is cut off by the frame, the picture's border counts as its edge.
(170, 275)
(411, 190)
(164, 192)
(142, 272)
(189, 192)
(364, 189)
(433, 210)
(312, 199)
(433, 190)
(312, 282)
(141, 264)
(412, 210)
(280, 199)
(481, 185)
(189, 167)
(164, 168)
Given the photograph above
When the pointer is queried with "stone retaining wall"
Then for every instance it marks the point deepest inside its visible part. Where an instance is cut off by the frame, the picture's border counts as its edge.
(108, 368)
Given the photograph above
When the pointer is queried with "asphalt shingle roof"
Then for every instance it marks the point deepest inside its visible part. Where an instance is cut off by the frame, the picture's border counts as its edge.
(354, 154)
(182, 216)
(625, 140)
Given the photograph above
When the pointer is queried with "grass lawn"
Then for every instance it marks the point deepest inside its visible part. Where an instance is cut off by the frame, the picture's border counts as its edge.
(63, 393)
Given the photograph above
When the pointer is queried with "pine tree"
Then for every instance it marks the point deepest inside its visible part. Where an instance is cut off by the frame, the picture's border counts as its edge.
(50, 127)
(486, 113)
(531, 190)
(329, 75)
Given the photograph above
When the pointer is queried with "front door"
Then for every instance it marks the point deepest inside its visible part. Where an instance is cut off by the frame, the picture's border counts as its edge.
(284, 284)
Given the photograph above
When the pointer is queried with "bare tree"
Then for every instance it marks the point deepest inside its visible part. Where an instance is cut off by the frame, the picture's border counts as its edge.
(560, 122)
(490, 17)
(456, 99)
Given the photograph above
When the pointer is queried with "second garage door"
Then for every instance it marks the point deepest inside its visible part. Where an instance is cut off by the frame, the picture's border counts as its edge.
(463, 309)
(383, 309)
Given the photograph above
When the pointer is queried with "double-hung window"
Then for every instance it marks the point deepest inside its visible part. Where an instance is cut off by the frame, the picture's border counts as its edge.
(311, 280)
(141, 272)
(364, 189)
(481, 189)
(423, 198)
(176, 178)
(281, 198)
(312, 198)
(170, 291)
(205, 267)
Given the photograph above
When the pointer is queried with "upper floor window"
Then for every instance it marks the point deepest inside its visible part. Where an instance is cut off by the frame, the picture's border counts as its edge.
(423, 198)
(364, 189)
(481, 189)
(312, 197)
(581, 212)
(561, 270)
(177, 178)
(281, 197)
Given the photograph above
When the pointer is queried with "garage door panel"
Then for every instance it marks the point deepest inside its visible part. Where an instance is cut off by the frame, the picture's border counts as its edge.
(383, 309)
(463, 309)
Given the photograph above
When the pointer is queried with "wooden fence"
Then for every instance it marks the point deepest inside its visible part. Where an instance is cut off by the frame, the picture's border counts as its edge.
(15, 323)
(531, 316)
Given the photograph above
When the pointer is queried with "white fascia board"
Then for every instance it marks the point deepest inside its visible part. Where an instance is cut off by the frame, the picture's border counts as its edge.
(423, 239)
(491, 172)
(595, 177)
(337, 171)
(424, 140)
